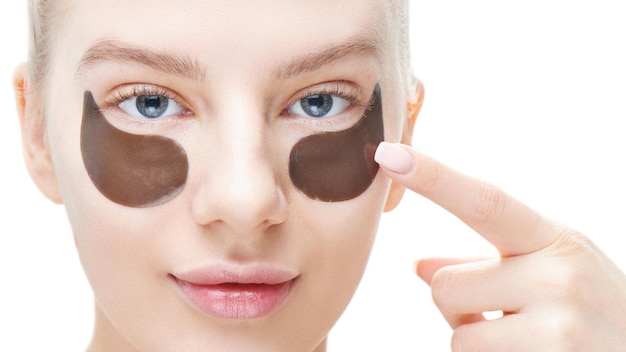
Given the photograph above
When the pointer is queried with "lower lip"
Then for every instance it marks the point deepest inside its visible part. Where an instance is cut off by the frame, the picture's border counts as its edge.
(247, 301)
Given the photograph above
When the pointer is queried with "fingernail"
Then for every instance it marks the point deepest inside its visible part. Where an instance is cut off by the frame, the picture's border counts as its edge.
(394, 157)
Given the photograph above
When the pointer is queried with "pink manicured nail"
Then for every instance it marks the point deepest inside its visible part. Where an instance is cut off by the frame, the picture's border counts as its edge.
(394, 157)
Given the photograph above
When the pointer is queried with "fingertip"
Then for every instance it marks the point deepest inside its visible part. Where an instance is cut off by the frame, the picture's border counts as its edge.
(394, 158)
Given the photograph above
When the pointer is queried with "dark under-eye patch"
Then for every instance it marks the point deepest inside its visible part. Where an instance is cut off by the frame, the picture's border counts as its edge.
(338, 166)
(131, 170)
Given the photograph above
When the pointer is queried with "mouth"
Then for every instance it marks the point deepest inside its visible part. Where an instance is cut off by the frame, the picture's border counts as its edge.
(248, 293)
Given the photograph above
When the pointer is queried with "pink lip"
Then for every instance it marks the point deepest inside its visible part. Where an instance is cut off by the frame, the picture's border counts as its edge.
(236, 292)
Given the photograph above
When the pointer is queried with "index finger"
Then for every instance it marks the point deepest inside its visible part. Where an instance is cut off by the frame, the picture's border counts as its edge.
(510, 225)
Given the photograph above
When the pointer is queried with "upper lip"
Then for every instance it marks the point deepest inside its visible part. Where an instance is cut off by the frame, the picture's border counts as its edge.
(236, 274)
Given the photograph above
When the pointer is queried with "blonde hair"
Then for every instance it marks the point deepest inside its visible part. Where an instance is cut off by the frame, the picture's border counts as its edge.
(44, 13)
(400, 11)
(41, 15)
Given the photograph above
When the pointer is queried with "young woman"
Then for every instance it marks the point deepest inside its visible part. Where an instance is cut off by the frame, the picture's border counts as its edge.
(224, 167)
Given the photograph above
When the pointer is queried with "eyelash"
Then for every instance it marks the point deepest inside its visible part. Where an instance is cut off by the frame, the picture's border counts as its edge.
(341, 89)
(130, 92)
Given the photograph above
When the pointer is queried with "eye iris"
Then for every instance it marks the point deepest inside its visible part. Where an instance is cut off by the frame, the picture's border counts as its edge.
(317, 105)
(152, 106)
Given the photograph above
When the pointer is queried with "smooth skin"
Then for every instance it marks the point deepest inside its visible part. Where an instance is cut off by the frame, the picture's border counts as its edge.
(557, 290)
(239, 209)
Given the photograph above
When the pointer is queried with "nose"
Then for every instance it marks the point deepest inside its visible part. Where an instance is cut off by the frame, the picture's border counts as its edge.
(239, 185)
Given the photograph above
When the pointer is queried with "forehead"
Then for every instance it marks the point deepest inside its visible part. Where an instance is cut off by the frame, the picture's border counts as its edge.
(229, 29)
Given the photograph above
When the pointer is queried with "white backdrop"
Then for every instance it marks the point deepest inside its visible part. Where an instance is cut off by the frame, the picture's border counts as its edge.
(528, 95)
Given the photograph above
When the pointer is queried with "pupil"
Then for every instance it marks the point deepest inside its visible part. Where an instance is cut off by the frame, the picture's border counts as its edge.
(317, 105)
(152, 106)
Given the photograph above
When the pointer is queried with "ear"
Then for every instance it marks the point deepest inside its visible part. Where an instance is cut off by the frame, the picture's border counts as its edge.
(413, 108)
(34, 142)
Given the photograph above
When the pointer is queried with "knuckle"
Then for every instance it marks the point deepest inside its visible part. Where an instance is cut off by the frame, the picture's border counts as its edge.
(464, 341)
(563, 331)
(571, 243)
(568, 262)
(563, 284)
(440, 286)
(457, 342)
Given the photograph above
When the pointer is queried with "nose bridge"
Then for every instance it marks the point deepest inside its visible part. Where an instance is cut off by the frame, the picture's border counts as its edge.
(242, 132)
(240, 188)
(244, 167)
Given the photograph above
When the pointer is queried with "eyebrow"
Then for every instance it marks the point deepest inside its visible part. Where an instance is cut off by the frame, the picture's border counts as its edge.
(357, 45)
(112, 50)
(186, 67)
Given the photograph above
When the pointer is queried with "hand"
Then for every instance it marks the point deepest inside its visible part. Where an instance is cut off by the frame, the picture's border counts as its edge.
(556, 289)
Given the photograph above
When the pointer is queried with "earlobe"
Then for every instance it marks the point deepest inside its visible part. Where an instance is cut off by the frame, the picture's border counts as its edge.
(414, 106)
(35, 146)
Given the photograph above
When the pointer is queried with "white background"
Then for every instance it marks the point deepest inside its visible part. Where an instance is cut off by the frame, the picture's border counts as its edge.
(529, 95)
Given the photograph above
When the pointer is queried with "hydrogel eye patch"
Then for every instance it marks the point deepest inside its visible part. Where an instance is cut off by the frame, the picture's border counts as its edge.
(146, 170)
(338, 166)
(132, 170)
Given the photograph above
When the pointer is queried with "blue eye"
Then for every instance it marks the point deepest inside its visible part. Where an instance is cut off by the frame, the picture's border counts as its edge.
(151, 106)
(319, 105)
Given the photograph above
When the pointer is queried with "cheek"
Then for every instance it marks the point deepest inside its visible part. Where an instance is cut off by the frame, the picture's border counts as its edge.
(338, 166)
(131, 170)
(340, 248)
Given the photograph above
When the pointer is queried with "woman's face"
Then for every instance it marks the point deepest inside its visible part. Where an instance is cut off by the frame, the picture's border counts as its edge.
(239, 257)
